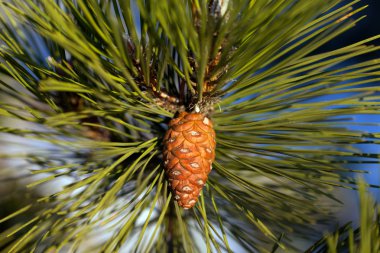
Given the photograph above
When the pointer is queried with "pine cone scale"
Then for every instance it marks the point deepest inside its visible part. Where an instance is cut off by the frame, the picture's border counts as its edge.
(189, 150)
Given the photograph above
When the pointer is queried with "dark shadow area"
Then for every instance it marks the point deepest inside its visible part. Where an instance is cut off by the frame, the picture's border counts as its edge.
(367, 27)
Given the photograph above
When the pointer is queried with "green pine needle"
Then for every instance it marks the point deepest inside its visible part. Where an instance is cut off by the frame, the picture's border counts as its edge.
(348, 239)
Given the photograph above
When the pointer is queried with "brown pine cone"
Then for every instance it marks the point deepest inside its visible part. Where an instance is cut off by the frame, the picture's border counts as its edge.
(189, 150)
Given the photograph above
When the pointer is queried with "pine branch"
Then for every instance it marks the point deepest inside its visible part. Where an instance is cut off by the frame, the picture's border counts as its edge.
(97, 81)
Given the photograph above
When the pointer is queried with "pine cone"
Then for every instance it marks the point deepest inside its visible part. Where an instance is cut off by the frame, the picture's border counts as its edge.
(189, 150)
